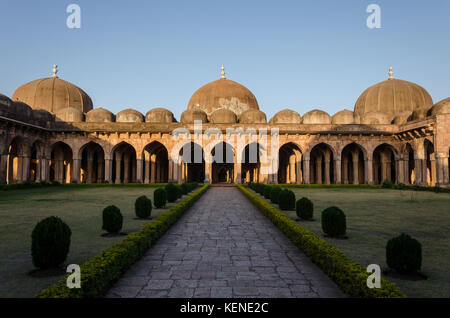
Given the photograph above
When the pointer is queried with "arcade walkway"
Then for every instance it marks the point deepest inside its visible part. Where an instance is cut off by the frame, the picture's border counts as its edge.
(224, 247)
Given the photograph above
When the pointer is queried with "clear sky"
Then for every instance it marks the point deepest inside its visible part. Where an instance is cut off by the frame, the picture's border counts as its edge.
(296, 54)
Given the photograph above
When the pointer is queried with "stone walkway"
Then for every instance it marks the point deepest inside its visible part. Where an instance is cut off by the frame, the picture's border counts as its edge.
(224, 247)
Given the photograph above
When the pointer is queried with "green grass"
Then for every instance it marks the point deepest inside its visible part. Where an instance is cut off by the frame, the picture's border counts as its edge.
(376, 215)
(80, 207)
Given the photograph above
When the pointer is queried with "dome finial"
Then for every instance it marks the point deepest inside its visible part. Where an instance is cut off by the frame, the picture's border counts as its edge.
(55, 70)
(222, 73)
(391, 73)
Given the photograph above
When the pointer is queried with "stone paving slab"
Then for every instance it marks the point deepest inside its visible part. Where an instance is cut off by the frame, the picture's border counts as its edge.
(223, 247)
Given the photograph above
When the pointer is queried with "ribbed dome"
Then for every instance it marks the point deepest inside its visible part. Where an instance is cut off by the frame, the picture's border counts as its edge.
(442, 107)
(344, 117)
(393, 97)
(129, 116)
(223, 93)
(376, 118)
(53, 94)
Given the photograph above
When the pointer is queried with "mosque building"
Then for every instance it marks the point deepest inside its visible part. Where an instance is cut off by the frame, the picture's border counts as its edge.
(50, 131)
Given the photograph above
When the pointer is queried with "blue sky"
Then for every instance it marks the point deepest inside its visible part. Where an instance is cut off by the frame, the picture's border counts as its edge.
(301, 55)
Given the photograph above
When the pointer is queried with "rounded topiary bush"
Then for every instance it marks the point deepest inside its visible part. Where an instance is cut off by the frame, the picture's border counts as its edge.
(286, 200)
(172, 192)
(267, 190)
(387, 184)
(304, 208)
(160, 198)
(50, 242)
(334, 222)
(143, 207)
(112, 219)
(186, 188)
(179, 191)
(274, 193)
(404, 254)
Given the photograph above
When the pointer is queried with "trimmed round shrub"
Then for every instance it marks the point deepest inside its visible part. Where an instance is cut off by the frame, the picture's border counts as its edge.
(274, 193)
(186, 188)
(404, 254)
(334, 222)
(286, 200)
(112, 219)
(172, 192)
(143, 207)
(160, 198)
(267, 190)
(304, 208)
(387, 184)
(179, 191)
(50, 242)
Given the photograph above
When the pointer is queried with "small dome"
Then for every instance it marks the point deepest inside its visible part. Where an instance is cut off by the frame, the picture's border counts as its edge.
(159, 115)
(190, 115)
(129, 116)
(376, 118)
(402, 118)
(42, 116)
(316, 117)
(443, 107)
(53, 94)
(345, 117)
(223, 116)
(69, 115)
(5, 105)
(393, 97)
(21, 111)
(420, 113)
(223, 93)
(99, 115)
(253, 116)
(286, 116)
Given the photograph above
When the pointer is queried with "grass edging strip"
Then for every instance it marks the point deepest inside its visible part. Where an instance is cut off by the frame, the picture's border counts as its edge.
(350, 276)
(101, 271)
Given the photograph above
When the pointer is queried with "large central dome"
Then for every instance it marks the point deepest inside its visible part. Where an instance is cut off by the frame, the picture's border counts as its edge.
(223, 93)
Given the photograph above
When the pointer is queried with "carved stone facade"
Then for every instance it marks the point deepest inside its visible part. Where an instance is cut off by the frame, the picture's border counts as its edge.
(347, 148)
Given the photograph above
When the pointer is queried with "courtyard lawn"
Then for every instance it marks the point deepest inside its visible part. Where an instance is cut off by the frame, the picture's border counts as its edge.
(376, 215)
(80, 207)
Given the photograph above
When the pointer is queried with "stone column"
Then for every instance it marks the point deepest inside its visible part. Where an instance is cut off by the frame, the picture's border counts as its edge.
(208, 172)
(442, 170)
(327, 159)
(108, 170)
(337, 170)
(401, 171)
(383, 161)
(345, 170)
(147, 167)
(19, 169)
(433, 170)
(355, 161)
(170, 172)
(318, 170)
(100, 169)
(288, 175)
(418, 170)
(126, 168)
(139, 168)
(299, 172)
(26, 168)
(76, 166)
(68, 169)
(118, 167)
(306, 171)
(293, 177)
(153, 168)
(90, 166)
(369, 170)
(3, 168)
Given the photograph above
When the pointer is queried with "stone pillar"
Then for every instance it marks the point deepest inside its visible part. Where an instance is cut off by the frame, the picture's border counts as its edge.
(76, 166)
(68, 169)
(306, 171)
(442, 170)
(345, 170)
(369, 171)
(19, 169)
(401, 171)
(126, 168)
(208, 172)
(418, 170)
(299, 172)
(100, 176)
(118, 167)
(318, 179)
(355, 161)
(90, 166)
(433, 170)
(384, 165)
(139, 170)
(327, 159)
(3, 168)
(170, 172)
(147, 166)
(108, 170)
(337, 171)
(288, 175)
(292, 177)
(153, 168)
(26, 168)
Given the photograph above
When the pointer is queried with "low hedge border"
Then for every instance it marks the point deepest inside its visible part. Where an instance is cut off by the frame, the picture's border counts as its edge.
(101, 271)
(350, 276)
(35, 185)
(368, 186)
